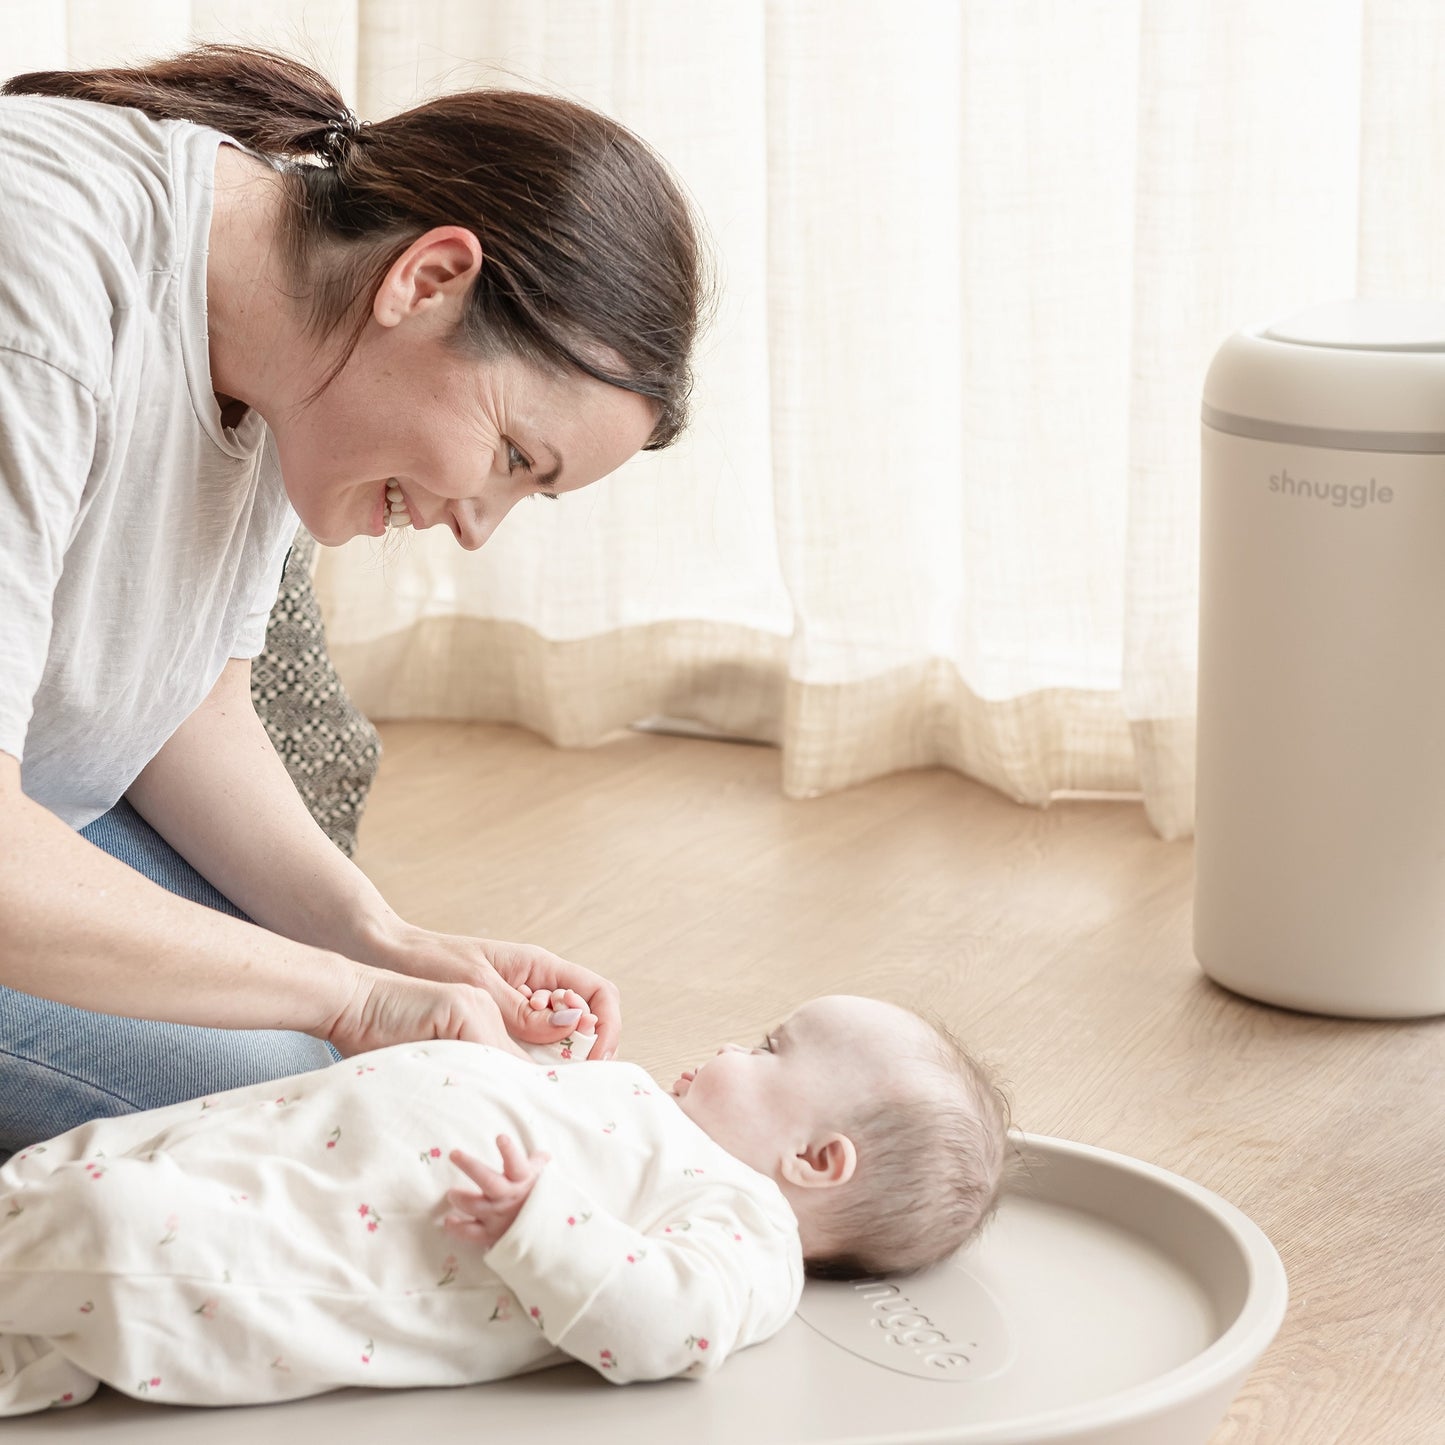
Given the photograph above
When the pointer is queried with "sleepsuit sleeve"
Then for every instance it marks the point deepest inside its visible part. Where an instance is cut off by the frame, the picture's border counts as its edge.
(675, 1299)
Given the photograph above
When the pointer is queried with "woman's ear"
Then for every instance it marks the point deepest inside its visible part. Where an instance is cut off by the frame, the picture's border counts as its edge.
(822, 1164)
(438, 266)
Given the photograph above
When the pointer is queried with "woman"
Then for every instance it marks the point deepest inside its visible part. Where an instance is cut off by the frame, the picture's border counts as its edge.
(226, 304)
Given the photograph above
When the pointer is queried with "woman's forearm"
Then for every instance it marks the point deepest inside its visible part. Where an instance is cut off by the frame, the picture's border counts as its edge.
(79, 927)
(221, 797)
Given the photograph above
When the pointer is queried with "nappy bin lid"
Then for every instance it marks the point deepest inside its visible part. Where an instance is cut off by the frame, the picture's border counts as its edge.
(1353, 375)
(1365, 326)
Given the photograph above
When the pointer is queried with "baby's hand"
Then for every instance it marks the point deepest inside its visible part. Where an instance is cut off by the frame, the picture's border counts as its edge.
(569, 1008)
(483, 1217)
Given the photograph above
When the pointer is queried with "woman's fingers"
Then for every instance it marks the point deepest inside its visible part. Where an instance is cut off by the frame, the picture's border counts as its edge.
(605, 1003)
(551, 977)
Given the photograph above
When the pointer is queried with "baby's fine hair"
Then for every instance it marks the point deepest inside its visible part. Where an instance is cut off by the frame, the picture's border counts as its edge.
(931, 1165)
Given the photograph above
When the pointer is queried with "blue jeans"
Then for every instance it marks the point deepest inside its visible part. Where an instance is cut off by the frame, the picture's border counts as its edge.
(61, 1066)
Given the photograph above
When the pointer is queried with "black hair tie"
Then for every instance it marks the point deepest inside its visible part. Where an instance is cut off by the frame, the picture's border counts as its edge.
(339, 135)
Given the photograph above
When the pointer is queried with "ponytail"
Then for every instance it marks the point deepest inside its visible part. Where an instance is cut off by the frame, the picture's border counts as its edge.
(268, 102)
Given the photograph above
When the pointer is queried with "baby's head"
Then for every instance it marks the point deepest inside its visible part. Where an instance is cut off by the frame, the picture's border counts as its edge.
(886, 1137)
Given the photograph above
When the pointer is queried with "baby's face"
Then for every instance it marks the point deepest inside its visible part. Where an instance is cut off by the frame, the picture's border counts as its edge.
(807, 1075)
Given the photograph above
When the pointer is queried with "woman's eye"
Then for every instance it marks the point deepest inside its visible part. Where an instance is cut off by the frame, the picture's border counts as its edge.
(515, 459)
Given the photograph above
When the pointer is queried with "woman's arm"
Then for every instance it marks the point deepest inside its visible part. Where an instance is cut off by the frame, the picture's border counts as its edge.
(219, 794)
(222, 798)
(82, 928)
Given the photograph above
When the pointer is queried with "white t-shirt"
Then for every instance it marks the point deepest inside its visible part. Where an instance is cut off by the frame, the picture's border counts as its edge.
(141, 541)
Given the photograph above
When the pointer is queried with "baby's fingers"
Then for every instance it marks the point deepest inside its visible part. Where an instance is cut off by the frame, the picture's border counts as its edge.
(517, 1166)
(468, 1229)
(482, 1175)
(469, 1203)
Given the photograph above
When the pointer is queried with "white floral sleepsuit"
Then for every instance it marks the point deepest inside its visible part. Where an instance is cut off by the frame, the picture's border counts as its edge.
(284, 1239)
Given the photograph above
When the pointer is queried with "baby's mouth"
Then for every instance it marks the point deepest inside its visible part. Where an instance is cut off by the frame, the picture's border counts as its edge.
(684, 1082)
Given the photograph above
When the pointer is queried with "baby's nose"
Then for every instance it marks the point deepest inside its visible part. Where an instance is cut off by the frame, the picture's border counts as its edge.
(732, 1049)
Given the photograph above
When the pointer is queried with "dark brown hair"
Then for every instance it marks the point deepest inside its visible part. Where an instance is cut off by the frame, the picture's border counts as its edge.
(591, 252)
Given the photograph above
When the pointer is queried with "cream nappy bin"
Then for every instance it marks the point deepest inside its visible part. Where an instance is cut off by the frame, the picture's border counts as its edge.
(1320, 835)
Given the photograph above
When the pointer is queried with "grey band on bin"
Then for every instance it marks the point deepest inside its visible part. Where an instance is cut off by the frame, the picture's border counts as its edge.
(1330, 438)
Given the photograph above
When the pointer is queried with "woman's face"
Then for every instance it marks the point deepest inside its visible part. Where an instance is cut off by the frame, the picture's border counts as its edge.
(465, 439)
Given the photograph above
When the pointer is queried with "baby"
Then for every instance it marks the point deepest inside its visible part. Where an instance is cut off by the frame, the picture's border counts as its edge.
(285, 1239)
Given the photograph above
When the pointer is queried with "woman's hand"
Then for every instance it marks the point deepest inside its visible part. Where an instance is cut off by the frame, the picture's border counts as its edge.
(483, 1216)
(389, 1008)
(519, 978)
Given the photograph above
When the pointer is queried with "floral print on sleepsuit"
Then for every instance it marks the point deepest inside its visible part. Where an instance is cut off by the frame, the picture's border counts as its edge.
(283, 1239)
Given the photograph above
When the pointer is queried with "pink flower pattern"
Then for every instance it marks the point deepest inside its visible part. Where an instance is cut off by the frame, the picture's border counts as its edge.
(209, 1308)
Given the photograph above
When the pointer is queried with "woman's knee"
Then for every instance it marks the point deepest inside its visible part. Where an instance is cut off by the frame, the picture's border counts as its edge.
(61, 1067)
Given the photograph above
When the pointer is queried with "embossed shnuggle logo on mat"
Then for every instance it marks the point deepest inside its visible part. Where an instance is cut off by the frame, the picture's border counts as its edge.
(940, 1325)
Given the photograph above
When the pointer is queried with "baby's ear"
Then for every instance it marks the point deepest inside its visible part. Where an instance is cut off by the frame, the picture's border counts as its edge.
(822, 1164)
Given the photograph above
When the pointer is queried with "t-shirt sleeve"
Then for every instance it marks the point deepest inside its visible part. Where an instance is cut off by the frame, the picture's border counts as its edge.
(48, 429)
(252, 637)
(676, 1299)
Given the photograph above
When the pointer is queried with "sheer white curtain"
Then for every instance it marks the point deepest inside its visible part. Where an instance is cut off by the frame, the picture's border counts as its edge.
(939, 501)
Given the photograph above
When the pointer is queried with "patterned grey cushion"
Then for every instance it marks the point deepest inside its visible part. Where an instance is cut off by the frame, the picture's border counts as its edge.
(329, 748)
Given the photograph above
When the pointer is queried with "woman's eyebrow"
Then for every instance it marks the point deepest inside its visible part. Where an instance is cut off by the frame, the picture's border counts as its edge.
(548, 479)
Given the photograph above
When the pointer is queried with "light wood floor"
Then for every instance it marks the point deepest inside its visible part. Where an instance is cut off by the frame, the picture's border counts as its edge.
(1056, 943)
